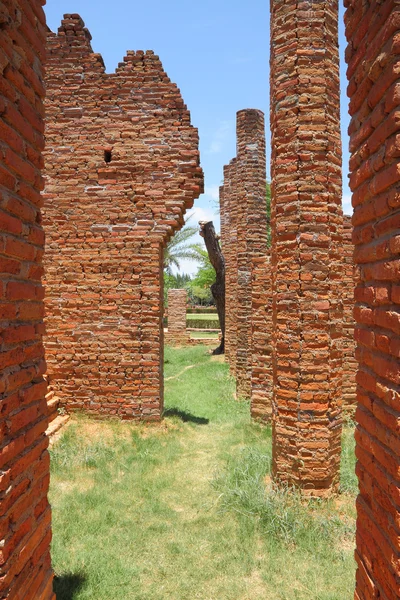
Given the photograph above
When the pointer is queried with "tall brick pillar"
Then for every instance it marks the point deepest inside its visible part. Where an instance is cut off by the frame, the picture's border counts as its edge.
(373, 56)
(244, 239)
(25, 522)
(251, 231)
(228, 203)
(306, 244)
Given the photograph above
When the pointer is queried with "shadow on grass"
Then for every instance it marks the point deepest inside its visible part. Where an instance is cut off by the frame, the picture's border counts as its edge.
(185, 417)
(66, 586)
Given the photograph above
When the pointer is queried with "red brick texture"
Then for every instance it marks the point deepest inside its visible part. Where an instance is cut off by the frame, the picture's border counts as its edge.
(25, 569)
(349, 344)
(306, 259)
(122, 167)
(262, 373)
(228, 212)
(373, 56)
(177, 333)
(244, 238)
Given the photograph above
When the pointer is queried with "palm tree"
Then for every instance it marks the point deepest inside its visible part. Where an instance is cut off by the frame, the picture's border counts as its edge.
(178, 249)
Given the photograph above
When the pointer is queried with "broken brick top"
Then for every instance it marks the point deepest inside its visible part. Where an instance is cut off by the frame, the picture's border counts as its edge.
(129, 130)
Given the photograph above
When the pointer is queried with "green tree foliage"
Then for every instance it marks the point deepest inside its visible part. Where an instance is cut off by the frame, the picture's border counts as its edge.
(178, 248)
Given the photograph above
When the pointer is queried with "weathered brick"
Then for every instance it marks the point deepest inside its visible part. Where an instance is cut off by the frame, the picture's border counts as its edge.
(306, 253)
(25, 571)
(121, 167)
(376, 221)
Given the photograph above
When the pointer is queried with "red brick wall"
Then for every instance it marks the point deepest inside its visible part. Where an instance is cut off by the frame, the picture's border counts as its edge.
(306, 259)
(177, 304)
(262, 374)
(244, 237)
(25, 569)
(349, 344)
(122, 166)
(373, 55)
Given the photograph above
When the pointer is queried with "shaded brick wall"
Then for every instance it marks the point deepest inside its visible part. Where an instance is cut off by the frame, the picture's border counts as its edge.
(373, 56)
(245, 229)
(306, 257)
(262, 374)
(177, 303)
(25, 569)
(122, 166)
(349, 344)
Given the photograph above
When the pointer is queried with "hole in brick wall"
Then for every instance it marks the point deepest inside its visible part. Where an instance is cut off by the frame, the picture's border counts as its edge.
(107, 156)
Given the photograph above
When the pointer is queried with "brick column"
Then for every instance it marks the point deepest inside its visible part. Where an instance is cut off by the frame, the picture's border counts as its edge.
(177, 302)
(373, 56)
(349, 344)
(306, 244)
(25, 523)
(261, 374)
(251, 231)
(229, 248)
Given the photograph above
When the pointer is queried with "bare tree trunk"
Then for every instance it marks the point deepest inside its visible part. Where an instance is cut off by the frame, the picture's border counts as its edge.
(217, 260)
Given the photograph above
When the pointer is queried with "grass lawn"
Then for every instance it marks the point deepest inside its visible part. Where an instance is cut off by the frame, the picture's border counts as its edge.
(202, 317)
(183, 510)
(204, 335)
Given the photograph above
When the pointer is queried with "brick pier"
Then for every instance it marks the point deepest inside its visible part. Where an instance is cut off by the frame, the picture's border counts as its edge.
(306, 259)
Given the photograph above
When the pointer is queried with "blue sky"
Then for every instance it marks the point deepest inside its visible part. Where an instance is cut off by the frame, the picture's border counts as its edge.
(216, 51)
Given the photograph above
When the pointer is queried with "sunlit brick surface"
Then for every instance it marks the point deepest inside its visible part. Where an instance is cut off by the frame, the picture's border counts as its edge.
(306, 258)
(25, 533)
(373, 57)
(122, 167)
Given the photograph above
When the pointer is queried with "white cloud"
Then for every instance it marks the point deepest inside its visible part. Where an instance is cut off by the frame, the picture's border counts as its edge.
(200, 214)
(346, 203)
(220, 137)
(212, 191)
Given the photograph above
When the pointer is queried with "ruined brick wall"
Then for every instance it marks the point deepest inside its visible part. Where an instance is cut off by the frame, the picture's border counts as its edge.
(306, 256)
(177, 303)
(122, 166)
(373, 56)
(25, 569)
(245, 230)
(349, 344)
(261, 375)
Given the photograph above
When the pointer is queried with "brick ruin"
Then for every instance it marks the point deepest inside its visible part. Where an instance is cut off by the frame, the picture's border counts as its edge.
(177, 333)
(121, 167)
(261, 344)
(25, 533)
(244, 239)
(349, 386)
(373, 56)
(306, 261)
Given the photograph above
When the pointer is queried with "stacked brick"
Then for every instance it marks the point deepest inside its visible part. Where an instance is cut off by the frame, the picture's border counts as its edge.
(349, 345)
(25, 569)
(262, 374)
(177, 303)
(306, 258)
(373, 56)
(243, 206)
(228, 211)
(121, 166)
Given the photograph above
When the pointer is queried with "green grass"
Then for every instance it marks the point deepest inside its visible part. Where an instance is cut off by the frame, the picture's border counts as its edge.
(204, 335)
(183, 510)
(202, 317)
